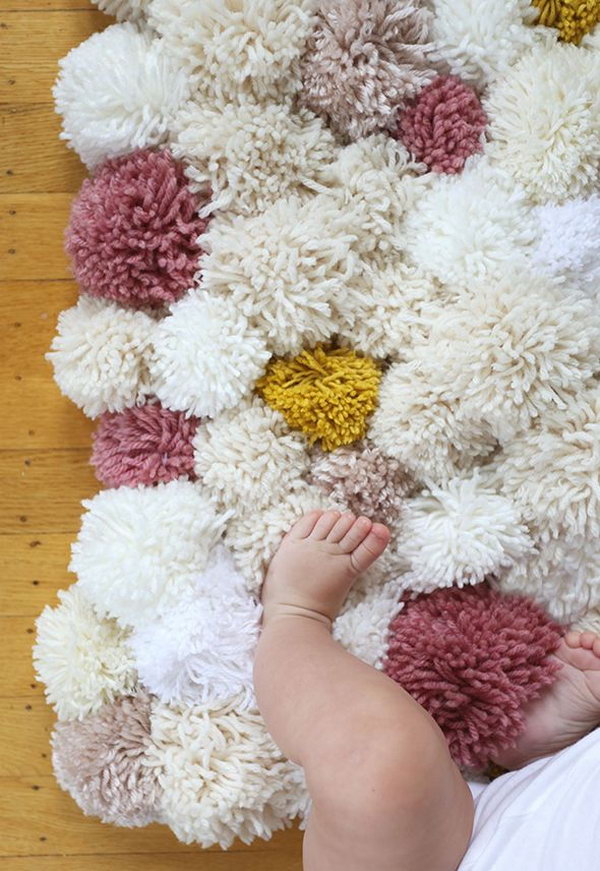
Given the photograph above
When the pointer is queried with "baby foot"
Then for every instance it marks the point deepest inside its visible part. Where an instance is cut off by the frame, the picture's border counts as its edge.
(318, 561)
(567, 710)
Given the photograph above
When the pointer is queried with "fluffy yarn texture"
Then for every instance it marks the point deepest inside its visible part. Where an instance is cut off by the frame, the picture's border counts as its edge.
(364, 479)
(206, 356)
(444, 125)
(460, 534)
(139, 549)
(123, 9)
(99, 761)
(572, 18)
(567, 247)
(143, 445)
(364, 60)
(237, 46)
(101, 355)
(222, 777)
(542, 347)
(327, 394)
(416, 425)
(133, 230)
(118, 91)
(473, 658)
(251, 154)
(545, 135)
(247, 457)
(81, 658)
(201, 651)
(284, 269)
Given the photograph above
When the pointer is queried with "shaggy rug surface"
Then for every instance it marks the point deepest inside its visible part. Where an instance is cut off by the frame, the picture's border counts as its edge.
(331, 254)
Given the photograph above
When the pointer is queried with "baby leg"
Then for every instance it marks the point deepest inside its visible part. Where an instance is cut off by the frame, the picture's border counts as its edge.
(386, 794)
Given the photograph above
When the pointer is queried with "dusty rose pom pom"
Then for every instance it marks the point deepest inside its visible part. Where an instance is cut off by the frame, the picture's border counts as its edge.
(143, 445)
(444, 124)
(133, 230)
(362, 478)
(473, 658)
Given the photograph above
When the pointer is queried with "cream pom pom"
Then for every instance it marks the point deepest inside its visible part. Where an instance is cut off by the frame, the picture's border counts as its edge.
(569, 239)
(101, 355)
(201, 651)
(480, 39)
(139, 548)
(252, 154)
(253, 537)
(416, 425)
(118, 91)
(509, 351)
(547, 135)
(385, 311)
(222, 776)
(247, 456)
(123, 9)
(233, 46)
(460, 534)
(564, 578)
(376, 182)
(552, 473)
(282, 269)
(469, 226)
(81, 658)
(206, 356)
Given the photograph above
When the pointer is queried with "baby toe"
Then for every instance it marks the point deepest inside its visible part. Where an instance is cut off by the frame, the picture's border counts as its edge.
(341, 527)
(357, 533)
(303, 527)
(324, 525)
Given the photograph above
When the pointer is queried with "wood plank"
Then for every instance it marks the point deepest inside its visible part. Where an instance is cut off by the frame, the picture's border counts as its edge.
(32, 229)
(288, 860)
(43, 490)
(35, 415)
(31, 44)
(32, 569)
(30, 134)
(44, 5)
(32, 809)
(16, 641)
(25, 727)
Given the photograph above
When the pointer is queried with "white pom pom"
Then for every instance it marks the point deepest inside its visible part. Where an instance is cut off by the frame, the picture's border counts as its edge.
(118, 91)
(82, 659)
(206, 356)
(547, 135)
(569, 243)
(140, 548)
(101, 354)
(201, 651)
(362, 627)
(250, 46)
(480, 39)
(247, 456)
(460, 534)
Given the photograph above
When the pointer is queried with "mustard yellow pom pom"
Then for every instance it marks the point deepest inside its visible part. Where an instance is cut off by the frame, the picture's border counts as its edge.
(327, 394)
(572, 18)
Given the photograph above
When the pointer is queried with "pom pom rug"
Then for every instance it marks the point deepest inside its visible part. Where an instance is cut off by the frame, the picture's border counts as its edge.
(331, 253)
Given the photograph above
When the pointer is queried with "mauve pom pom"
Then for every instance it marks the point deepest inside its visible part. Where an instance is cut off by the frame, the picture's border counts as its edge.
(443, 126)
(133, 231)
(473, 658)
(143, 445)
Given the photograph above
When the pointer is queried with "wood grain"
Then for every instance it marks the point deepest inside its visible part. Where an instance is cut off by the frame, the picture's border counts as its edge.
(281, 860)
(32, 230)
(33, 568)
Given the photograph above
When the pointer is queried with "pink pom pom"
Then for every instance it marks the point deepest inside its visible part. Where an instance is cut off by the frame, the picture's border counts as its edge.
(473, 658)
(143, 445)
(443, 125)
(133, 231)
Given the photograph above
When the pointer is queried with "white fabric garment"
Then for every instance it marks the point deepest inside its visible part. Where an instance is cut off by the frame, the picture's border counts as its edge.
(544, 817)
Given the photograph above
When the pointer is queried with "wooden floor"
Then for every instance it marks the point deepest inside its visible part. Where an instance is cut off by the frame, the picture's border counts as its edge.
(44, 470)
